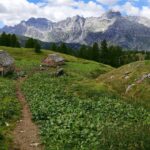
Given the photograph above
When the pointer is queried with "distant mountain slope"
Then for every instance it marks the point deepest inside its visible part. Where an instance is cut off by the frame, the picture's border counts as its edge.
(126, 31)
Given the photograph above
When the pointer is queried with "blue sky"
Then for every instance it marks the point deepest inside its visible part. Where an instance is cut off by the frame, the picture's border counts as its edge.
(14, 11)
(1, 24)
(138, 3)
(34, 1)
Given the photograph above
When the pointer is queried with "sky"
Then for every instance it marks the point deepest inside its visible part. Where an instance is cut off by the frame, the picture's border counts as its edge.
(14, 11)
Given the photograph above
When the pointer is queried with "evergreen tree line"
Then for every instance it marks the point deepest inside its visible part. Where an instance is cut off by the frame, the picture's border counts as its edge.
(104, 54)
(111, 55)
(62, 48)
(9, 40)
(32, 43)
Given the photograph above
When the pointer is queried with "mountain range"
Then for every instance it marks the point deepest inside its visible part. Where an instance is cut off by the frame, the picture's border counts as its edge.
(131, 32)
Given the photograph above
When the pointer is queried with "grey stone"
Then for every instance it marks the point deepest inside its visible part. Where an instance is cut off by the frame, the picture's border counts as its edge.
(59, 72)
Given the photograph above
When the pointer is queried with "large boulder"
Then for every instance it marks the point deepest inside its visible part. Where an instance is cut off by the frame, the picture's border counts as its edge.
(53, 60)
(6, 63)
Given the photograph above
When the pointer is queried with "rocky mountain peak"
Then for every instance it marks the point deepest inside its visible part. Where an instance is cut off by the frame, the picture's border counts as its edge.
(112, 14)
(126, 31)
(77, 17)
(37, 21)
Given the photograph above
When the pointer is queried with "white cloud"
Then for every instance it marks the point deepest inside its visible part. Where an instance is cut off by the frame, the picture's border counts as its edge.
(145, 12)
(108, 2)
(12, 12)
(15, 11)
(129, 9)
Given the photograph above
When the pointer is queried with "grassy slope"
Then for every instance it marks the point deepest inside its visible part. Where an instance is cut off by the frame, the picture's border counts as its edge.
(83, 70)
(71, 122)
(118, 81)
(26, 60)
(9, 110)
(111, 123)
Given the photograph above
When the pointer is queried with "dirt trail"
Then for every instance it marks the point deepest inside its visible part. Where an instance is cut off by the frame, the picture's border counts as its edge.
(25, 135)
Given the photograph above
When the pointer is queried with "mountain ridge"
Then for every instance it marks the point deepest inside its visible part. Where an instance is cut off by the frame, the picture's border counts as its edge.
(131, 32)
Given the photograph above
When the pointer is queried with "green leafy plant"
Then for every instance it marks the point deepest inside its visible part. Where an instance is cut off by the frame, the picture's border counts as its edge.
(69, 122)
(9, 110)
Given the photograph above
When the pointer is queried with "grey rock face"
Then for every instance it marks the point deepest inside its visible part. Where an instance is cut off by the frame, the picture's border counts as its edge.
(126, 31)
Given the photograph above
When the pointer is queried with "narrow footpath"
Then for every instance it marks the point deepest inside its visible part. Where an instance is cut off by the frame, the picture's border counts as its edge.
(25, 135)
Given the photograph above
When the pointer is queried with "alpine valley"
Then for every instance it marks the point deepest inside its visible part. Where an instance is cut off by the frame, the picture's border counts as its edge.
(131, 32)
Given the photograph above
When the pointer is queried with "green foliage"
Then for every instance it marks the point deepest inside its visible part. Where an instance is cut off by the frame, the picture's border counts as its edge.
(9, 40)
(30, 43)
(53, 47)
(114, 56)
(9, 110)
(63, 48)
(82, 51)
(76, 111)
(147, 57)
(71, 122)
(104, 52)
(132, 56)
(14, 41)
(95, 52)
(37, 47)
(87, 52)
(111, 55)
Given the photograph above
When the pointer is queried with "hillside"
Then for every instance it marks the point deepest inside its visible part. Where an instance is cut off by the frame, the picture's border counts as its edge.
(79, 110)
(132, 81)
(26, 60)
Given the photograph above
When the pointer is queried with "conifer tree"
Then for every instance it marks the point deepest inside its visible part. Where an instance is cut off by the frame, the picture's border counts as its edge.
(37, 47)
(82, 51)
(114, 57)
(4, 39)
(30, 43)
(63, 48)
(95, 52)
(14, 41)
(9, 40)
(54, 47)
(104, 52)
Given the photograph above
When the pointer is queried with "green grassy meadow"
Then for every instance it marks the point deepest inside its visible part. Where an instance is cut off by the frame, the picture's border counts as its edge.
(83, 109)
(9, 111)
